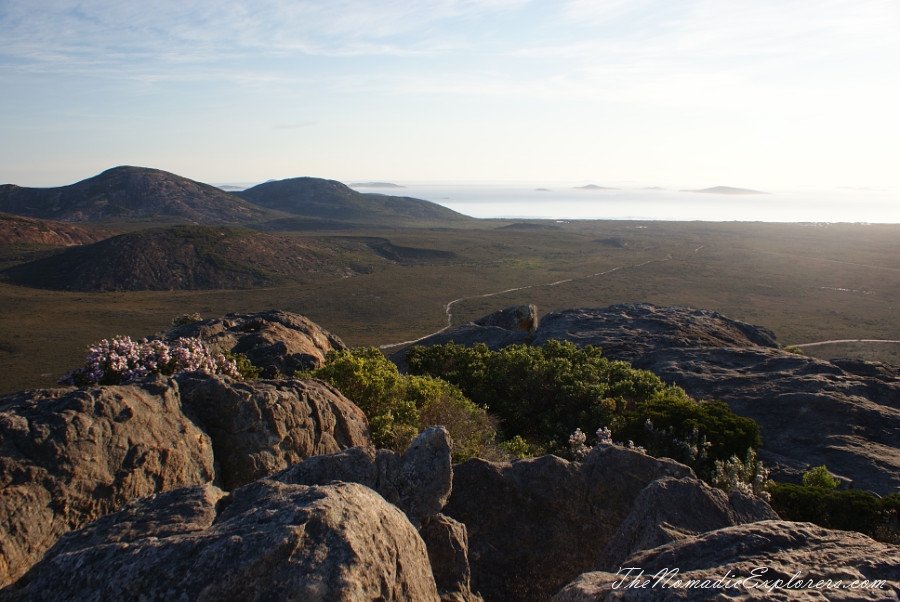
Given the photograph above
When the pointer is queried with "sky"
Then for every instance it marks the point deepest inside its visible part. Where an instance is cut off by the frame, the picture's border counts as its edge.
(759, 93)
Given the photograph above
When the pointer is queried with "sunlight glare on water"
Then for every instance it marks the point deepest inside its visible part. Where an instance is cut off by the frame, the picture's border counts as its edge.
(496, 200)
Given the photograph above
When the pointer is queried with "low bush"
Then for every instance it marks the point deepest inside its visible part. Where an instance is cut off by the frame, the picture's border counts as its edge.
(399, 407)
(542, 394)
(848, 509)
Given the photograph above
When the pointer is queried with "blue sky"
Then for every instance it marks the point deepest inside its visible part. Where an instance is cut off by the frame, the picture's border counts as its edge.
(759, 93)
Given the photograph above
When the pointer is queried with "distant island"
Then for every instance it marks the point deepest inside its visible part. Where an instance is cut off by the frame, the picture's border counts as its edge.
(542, 190)
(375, 185)
(727, 190)
(594, 187)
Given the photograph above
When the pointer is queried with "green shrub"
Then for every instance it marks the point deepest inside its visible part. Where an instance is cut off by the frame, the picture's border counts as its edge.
(820, 477)
(398, 407)
(849, 509)
(245, 367)
(542, 394)
(748, 475)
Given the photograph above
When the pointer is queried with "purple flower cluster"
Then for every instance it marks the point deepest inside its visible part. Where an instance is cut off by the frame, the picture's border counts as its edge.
(122, 360)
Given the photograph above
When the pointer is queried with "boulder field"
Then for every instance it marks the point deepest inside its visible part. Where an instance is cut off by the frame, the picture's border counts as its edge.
(209, 488)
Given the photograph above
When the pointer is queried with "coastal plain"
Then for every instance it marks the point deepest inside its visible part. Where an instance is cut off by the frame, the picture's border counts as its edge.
(808, 283)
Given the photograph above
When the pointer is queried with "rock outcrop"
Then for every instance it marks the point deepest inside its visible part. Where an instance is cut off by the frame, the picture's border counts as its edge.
(519, 317)
(278, 342)
(265, 541)
(260, 427)
(749, 560)
(418, 482)
(536, 524)
(68, 457)
(670, 509)
(843, 414)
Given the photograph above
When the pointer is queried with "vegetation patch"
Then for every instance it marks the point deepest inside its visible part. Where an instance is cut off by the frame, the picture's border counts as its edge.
(817, 501)
(399, 407)
(543, 394)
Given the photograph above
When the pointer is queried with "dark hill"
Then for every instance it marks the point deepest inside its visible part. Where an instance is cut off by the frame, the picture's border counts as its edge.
(124, 194)
(180, 257)
(329, 200)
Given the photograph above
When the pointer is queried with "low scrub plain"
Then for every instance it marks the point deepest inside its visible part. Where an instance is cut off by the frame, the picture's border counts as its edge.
(806, 282)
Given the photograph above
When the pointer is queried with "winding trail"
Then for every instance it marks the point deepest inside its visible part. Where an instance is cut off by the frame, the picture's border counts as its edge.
(448, 307)
(817, 343)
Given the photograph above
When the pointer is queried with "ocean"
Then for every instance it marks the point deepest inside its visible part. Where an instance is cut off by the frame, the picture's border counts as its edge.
(561, 202)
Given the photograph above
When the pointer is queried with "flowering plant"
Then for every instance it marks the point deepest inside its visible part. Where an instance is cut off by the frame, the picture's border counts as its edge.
(121, 360)
(578, 448)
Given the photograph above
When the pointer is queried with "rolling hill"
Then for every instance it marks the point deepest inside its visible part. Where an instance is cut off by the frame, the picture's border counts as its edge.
(178, 258)
(140, 195)
(19, 230)
(128, 194)
(330, 201)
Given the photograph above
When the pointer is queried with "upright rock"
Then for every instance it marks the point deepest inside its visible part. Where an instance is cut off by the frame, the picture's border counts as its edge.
(419, 482)
(266, 541)
(447, 541)
(260, 427)
(279, 342)
(68, 457)
(425, 478)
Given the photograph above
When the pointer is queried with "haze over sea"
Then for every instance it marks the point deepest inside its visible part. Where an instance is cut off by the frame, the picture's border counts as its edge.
(565, 201)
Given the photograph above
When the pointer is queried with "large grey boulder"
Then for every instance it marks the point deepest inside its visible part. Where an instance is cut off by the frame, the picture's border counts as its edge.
(262, 426)
(669, 509)
(536, 524)
(68, 457)
(279, 342)
(768, 560)
(266, 541)
(418, 482)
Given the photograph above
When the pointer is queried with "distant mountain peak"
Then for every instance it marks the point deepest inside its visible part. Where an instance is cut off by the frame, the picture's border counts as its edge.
(127, 193)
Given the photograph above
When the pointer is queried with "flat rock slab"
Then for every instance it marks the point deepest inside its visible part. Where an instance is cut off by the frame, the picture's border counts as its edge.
(768, 560)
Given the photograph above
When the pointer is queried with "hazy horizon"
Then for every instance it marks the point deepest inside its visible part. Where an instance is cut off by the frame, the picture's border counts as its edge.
(766, 95)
